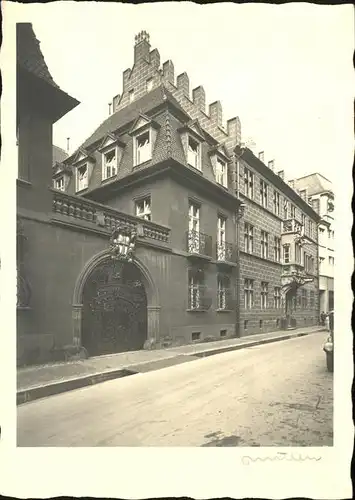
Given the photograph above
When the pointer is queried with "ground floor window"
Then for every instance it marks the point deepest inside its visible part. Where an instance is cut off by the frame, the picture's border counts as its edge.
(223, 292)
(196, 289)
(264, 294)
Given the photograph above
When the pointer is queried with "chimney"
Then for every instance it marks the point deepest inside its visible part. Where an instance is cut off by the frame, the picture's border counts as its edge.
(199, 98)
(291, 184)
(168, 72)
(109, 108)
(215, 110)
(271, 165)
(182, 82)
(154, 58)
(68, 144)
(261, 156)
(141, 47)
(281, 174)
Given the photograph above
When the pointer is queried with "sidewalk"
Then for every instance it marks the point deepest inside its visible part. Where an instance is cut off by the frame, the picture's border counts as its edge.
(40, 381)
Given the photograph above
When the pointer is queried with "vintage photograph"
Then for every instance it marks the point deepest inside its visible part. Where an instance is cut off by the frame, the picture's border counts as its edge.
(176, 217)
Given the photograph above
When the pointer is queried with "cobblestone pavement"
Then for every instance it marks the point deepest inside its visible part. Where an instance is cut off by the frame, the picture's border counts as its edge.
(271, 395)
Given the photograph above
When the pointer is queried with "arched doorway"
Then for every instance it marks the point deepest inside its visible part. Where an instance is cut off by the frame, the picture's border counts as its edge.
(114, 309)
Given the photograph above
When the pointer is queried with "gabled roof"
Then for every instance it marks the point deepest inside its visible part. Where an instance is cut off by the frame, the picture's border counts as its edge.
(221, 149)
(58, 155)
(81, 154)
(127, 114)
(29, 55)
(314, 183)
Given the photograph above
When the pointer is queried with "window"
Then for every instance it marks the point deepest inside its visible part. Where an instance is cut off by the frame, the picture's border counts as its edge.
(221, 238)
(276, 203)
(248, 293)
(194, 217)
(149, 84)
(59, 184)
(303, 219)
(264, 294)
(221, 172)
(109, 164)
(293, 211)
(331, 261)
(195, 298)
(131, 95)
(304, 299)
(82, 177)
(193, 153)
(143, 208)
(311, 298)
(277, 297)
(248, 238)
(285, 209)
(223, 292)
(248, 183)
(277, 249)
(245, 324)
(143, 151)
(264, 242)
(298, 253)
(286, 254)
(263, 193)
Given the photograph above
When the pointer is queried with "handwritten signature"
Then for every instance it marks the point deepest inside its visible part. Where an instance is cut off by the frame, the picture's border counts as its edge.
(280, 456)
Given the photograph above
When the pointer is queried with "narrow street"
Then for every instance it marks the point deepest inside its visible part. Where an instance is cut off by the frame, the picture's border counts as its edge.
(278, 394)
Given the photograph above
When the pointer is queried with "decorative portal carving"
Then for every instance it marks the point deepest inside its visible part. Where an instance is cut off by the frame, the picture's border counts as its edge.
(122, 246)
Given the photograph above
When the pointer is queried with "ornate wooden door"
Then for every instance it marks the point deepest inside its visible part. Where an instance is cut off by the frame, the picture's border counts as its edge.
(115, 310)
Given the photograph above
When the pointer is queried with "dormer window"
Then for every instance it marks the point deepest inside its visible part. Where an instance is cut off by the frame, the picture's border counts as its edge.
(143, 149)
(59, 183)
(82, 177)
(193, 153)
(109, 164)
(221, 172)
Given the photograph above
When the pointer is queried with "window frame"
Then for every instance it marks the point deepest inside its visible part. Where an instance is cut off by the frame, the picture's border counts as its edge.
(264, 295)
(249, 183)
(277, 249)
(287, 247)
(145, 214)
(196, 155)
(277, 297)
(55, 181)
(78, 186)
(276, 203)
(263, 193)
(104, 165)
(248, 293)
(221, 171)
(137, 148)
(249, 238)
(264, 244)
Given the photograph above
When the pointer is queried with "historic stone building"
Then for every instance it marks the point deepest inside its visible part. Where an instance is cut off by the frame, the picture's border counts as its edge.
(161, 229)
(319, 191)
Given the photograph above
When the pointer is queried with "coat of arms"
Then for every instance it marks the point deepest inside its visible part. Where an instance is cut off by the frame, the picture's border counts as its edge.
(122, 243)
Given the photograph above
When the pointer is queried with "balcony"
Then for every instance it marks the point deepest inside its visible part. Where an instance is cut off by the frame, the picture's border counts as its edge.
(199, 245)
(225, 253)
(294, 275)
(290, 226)
(199, 298)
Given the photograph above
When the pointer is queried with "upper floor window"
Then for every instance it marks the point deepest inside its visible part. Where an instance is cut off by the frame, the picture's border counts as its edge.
(221, 229)
(285, 209)
(331, 261)
(109, 164)
(293, 211)
(248, 238)
(194, 217)
(264, 241)
(59, 183)
(298, 253)
(276, 203)
(143, 149)
(193, 153)
(82, 177)
(263, 193)
(144, 209)
(277, 297)
(149, 84)
(264, 294)
(303, 219)
(248, 183)
(221, 172)
(286, 254)
(248, 293)
(131, 95)
(277, 248)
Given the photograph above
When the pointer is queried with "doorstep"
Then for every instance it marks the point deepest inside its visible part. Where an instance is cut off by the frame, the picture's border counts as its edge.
(41, 381)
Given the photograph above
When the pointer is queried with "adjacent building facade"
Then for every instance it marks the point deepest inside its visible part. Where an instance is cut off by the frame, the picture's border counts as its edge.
(218, 244)
(319, 191)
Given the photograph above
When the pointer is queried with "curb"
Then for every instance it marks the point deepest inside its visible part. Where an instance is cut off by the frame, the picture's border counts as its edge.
(51, 389)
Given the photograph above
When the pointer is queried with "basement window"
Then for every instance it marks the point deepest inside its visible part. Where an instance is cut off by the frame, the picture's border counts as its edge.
(223, 333)
(195, 336)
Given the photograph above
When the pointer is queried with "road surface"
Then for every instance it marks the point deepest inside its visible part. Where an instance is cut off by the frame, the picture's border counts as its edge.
(278, 394)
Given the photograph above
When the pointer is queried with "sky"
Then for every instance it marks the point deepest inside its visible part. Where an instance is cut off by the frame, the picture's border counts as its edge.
(286, 71)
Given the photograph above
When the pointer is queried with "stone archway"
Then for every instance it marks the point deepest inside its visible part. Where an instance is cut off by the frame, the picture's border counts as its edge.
(151, 293)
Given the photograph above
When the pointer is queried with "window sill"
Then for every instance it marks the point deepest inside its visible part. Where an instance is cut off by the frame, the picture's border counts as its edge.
(108, 179)
(197, 310)
(142, 164)
(224, 310)
(82, 190)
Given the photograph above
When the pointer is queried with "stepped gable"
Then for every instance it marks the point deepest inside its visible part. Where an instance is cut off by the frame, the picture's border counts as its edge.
(146, 74)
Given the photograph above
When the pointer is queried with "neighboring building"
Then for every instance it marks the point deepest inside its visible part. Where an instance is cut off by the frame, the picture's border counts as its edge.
(319, 192)
(173, 179)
